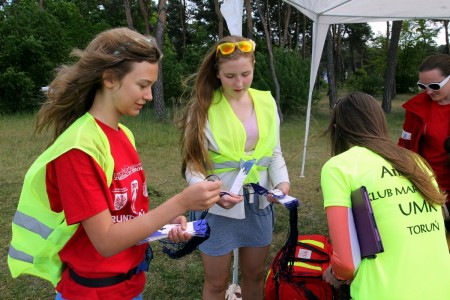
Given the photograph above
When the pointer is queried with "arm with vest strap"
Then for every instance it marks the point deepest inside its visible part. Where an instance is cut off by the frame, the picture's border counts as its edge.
(277, 169)
(278, 173)
(101, 229)
(99, 225)
(407, 130)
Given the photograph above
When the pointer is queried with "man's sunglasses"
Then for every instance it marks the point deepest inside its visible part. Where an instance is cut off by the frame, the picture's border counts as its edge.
(228, 48)
(435, 86)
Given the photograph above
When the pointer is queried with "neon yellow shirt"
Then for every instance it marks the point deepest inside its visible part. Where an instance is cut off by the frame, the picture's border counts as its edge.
(416, 261)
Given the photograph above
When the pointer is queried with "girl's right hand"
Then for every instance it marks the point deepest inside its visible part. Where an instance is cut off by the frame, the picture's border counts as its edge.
(202, 195)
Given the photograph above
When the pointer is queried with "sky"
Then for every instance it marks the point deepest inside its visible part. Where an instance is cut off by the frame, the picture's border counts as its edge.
(380, 27)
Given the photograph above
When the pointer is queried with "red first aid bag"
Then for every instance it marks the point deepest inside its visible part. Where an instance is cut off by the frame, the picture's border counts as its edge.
(302, 280)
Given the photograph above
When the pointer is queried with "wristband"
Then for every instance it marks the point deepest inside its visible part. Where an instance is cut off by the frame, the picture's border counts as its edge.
(331, 272)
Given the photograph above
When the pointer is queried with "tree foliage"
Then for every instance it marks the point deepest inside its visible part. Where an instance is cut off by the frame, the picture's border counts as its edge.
(35, 40)
(28, 53)
(292, 74)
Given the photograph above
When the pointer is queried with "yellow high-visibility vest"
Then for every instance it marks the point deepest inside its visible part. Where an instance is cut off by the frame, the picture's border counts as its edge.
(230, 136)
(38, 233)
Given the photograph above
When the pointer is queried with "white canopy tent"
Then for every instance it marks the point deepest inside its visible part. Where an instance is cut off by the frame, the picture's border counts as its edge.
(323, 13)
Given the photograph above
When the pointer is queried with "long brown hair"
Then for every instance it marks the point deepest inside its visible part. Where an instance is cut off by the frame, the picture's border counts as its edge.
(72, 92)
(357, 119)
(193, 118)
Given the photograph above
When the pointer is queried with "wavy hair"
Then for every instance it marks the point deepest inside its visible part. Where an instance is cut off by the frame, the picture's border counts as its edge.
(192, 120)
(72, 91)
(357, 119)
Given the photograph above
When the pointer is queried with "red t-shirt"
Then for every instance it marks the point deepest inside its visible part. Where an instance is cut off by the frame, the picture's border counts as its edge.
(77, 185)
(432, 144)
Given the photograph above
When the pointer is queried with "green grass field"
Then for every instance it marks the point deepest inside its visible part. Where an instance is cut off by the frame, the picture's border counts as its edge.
(157, 144)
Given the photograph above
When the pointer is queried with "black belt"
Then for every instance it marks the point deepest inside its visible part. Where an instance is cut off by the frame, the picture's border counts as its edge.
(101, 282)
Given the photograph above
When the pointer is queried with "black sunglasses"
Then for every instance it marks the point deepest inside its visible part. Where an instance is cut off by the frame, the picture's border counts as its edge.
(435, 86)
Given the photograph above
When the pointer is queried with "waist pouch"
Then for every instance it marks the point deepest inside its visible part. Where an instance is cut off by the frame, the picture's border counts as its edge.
(143, 266)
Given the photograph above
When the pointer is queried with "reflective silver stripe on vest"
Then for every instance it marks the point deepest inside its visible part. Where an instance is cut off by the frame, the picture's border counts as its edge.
(19, 255)
(32, 224)
(262, 162)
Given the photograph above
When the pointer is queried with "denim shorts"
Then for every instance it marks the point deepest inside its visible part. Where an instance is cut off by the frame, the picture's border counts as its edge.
(255, 230)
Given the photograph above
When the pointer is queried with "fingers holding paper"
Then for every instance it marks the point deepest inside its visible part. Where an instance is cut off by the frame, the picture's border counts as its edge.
(282, 189)
(178, 234)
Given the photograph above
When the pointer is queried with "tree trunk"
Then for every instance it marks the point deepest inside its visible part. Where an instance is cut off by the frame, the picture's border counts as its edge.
(280, 6)
(41, 4)
(158, 91)
(388, 34)
(296, 44)
(271, 63)
(128, 14)
(389, 86)
(183, 25)
(248, 13)
(337, 40)
(332, 91)
(267, 18)
(219, 16)
(447, 44)
(144, 12)
(287, 17)
(304, 38)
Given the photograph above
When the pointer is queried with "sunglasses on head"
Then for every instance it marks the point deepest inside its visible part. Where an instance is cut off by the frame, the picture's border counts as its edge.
(228, 48)
(435, 86)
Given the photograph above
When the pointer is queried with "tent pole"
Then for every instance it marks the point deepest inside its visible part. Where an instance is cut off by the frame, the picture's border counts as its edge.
(319, 35)
(308, 115)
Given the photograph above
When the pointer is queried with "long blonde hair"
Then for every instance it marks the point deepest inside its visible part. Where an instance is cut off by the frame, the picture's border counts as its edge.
(357, 119)
(193, 118)
(72, 92)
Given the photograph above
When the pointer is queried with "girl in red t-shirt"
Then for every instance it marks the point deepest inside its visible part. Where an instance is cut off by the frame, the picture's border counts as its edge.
(113, 77)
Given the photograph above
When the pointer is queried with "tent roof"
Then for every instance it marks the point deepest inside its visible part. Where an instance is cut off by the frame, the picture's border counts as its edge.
(360, 11)
(326, 12)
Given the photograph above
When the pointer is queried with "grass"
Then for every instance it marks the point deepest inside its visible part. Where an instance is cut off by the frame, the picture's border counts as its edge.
(157, 144)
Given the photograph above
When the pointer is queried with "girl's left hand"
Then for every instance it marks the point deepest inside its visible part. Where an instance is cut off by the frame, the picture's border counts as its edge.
(329, 277)
(229, 200)
(284, 187)
(178, 234)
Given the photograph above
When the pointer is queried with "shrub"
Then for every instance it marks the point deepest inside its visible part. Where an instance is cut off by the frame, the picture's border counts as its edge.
(406, 83)
(361, 81)
(293, 76)
(17, 92)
